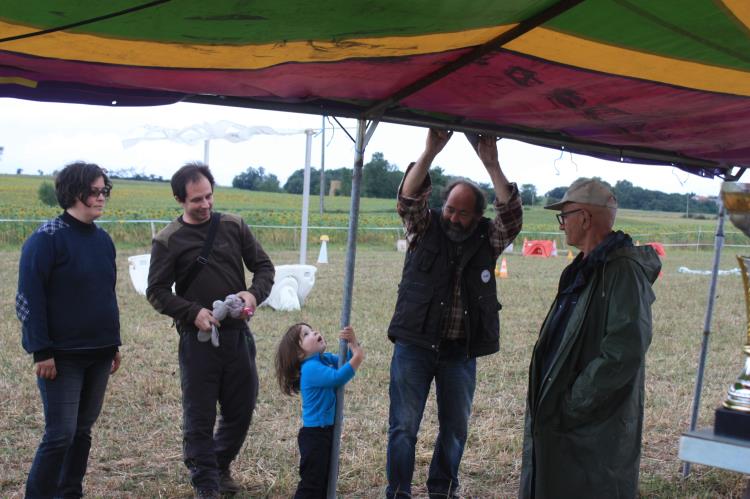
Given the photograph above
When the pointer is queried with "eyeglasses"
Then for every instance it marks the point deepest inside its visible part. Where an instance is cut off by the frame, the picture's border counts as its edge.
(561, 216)
(95, 193)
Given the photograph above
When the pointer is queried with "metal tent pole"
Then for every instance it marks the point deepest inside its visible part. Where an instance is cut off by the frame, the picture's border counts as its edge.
(718, 244)
(305, 198)
(363, 136)
(322, 165)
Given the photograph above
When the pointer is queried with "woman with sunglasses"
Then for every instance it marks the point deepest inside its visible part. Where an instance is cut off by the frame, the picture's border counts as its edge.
(67, 306)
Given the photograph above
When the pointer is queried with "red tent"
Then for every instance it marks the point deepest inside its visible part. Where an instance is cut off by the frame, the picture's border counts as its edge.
(539, 247)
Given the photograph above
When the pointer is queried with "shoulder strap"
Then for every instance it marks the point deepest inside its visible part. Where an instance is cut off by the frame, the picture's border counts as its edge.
(202, 259)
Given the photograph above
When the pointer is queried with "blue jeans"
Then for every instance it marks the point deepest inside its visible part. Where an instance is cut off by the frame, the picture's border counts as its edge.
(72, 402)
(412, 371)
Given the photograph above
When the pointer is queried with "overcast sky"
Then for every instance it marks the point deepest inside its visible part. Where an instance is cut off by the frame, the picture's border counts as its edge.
(42, 136)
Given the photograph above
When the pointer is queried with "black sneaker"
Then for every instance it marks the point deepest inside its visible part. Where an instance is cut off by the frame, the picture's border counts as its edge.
(227, 485)
(206, 493)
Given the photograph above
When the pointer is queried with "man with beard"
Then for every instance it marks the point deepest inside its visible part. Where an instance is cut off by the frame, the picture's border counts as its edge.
(446, 312)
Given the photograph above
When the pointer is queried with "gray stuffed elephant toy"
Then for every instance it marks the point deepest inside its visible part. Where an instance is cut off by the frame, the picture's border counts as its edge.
(232, 306)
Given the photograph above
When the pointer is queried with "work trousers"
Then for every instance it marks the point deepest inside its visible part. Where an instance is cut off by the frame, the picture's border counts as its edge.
(225, 374)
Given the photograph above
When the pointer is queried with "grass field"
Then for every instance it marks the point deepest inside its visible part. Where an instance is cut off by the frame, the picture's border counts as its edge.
(137, 441)
(132, 200)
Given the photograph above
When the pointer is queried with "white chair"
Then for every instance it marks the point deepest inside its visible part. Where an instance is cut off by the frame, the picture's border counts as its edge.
(291, 286)
(138, 268)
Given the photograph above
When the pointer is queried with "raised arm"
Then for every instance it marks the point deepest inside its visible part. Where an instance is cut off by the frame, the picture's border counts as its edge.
(436, 140)
(487, 152)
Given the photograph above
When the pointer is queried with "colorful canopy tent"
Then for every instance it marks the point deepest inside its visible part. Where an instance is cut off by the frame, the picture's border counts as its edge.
(630, 80)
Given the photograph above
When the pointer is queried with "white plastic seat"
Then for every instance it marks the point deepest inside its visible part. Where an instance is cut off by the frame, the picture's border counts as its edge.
(291, 286)
(138, 269)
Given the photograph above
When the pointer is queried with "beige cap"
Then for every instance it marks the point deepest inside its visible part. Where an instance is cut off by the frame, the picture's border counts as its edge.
(586, 191)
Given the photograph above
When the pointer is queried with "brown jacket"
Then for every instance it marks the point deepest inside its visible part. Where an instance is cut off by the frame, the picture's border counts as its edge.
(177, 246)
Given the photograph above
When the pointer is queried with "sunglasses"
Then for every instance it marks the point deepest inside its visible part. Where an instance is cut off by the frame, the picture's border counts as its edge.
(561, 216)
(100, 192)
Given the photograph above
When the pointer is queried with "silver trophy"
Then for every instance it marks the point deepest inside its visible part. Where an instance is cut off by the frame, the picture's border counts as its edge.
(736, 199)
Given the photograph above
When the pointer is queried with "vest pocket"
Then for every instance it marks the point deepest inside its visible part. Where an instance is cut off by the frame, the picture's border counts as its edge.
(489, 309)
(427, 258)
(412, 307)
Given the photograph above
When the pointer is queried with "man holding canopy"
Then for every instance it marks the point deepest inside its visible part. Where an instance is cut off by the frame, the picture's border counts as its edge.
(446, 312)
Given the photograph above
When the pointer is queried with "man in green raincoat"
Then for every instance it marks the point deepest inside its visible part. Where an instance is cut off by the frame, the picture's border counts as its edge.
(584, 409)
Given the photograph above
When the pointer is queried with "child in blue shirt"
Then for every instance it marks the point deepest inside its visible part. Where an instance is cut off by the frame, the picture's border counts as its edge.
(302, 366)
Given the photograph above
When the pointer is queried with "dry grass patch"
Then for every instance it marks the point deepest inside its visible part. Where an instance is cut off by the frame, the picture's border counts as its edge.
(137, 440)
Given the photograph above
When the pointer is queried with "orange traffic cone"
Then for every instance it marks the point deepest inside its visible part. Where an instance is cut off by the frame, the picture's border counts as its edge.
(570, 255)
(503, 269)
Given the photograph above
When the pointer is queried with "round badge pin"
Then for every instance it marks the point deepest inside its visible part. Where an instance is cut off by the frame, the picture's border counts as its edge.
(485, 276)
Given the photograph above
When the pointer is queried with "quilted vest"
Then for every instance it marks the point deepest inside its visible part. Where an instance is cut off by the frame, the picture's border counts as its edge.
(425, 291)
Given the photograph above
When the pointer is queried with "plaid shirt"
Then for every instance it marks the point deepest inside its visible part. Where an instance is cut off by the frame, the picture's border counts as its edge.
(415, 214)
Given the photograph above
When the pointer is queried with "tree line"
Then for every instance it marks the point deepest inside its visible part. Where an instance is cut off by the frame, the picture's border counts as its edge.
(380, 179)
(637, 198)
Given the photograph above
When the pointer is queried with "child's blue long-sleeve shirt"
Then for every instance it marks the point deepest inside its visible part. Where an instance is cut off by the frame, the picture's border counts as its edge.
(319, 378)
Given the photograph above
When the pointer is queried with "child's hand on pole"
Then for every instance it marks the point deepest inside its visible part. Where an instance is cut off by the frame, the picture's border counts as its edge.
(348, 335)
(358, 354)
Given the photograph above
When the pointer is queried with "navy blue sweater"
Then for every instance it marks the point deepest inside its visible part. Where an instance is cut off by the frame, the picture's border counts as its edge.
(66, 298)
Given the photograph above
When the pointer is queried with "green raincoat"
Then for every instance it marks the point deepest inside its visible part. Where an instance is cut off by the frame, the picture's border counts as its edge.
(582, 435)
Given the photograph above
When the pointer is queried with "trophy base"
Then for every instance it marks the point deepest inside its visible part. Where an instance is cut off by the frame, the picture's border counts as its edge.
(729, 423)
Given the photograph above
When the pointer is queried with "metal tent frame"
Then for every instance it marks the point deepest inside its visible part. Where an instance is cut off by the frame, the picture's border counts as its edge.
(389, 110)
